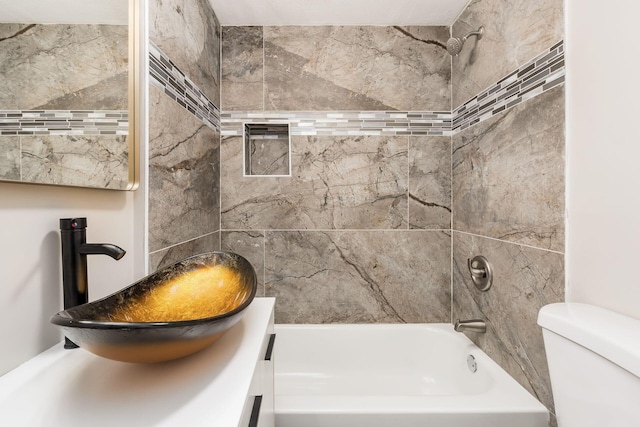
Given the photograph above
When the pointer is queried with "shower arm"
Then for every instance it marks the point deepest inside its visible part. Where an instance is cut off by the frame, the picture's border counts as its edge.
(479, 33)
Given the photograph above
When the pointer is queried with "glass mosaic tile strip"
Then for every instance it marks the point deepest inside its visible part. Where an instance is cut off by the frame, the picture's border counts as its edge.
(343, 122)
(64, 122)
(542, 73)
(166, 76)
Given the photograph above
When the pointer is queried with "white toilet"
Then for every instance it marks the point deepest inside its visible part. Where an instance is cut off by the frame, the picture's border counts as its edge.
(594, 363)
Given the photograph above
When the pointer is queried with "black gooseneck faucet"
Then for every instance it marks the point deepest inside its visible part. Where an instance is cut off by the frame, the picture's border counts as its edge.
(73, 234)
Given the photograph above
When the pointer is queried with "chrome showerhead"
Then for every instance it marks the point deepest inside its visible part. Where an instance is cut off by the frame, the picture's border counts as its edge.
(454, 44)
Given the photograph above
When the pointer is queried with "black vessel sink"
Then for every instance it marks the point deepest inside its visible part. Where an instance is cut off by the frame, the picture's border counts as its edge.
(172, 313)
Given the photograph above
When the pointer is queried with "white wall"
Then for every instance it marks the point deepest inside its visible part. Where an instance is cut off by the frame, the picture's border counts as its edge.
(30, 260)
(603, 154)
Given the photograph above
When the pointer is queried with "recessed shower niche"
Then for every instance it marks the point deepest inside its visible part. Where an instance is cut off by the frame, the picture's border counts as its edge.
(267, 149)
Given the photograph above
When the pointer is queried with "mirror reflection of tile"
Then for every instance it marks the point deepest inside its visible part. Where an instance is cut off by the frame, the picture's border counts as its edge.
(63, 117)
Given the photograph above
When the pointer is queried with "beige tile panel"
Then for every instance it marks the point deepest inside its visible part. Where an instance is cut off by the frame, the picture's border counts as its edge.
(508, 174)
(525, 279)
(359, 276)
(183, 174)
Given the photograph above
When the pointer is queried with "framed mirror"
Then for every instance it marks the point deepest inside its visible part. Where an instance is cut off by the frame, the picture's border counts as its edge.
(68, 96)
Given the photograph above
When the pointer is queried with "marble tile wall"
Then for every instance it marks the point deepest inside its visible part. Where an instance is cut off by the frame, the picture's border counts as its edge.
(184, 142)
(525, 279)
(188, 31)
(267, 156)
(168, 256)
(242, 68)
(10, 158)
(508, 174)
(336, 183)
(99, 161)
(70, 67)
(355, 234)
(540, 74)
(166, 76)
(515, 32)
(497, 183)
(358, 276)
(63, 112)
(349, 194)
(508, 184)
(335, 68)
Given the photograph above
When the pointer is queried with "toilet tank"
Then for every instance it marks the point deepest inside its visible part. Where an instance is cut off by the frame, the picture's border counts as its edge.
(594, 364)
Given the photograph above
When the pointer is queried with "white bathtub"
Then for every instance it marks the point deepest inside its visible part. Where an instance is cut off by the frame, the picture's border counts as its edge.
(393, 376)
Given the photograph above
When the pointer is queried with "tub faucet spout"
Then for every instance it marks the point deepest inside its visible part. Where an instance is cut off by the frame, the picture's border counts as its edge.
(475, 325)
(73, 236)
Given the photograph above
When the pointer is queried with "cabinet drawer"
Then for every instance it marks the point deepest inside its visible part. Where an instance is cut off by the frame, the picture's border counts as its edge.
(258, 408)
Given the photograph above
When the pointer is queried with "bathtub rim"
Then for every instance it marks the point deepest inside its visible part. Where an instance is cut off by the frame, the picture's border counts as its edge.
(505, 395)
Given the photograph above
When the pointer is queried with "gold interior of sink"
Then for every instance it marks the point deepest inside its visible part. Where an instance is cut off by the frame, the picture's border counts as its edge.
(197, 294)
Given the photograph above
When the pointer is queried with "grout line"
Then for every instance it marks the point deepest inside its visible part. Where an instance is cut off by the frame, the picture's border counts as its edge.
(184, 242)
(508, 241)
(264, 80)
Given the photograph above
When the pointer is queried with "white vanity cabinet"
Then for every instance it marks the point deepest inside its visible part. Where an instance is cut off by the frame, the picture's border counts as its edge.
(216, 387)
(259, 406)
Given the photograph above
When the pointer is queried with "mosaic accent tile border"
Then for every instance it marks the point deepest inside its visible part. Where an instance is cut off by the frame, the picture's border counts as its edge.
(174, 83)
(390, 123)
(64, 122)
(542, 73)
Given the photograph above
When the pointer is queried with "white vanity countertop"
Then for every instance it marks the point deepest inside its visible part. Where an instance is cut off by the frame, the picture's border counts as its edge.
(76, 388)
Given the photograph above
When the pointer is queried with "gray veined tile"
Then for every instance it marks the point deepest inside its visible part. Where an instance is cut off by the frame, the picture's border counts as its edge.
(430, 182)
(10, 157)
(525, 279)
(80, 160)
(516, 31)
(336, 183)
(242, 68)
(195, 52)
(508, 174)
(165, 257)
(358, 276)
(183, 174)
(249, 244)
(356, 68)
(56, 76)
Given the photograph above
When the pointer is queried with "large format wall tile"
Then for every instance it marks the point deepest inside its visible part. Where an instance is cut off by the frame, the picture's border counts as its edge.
(515, 32)
(508, 174)
(10, 157)
(165, 257)
(359, 276)
(183, 174)
(336, 183)
(249, 244)
(91, 161)
(242, 68)
(430, 182)
(63, 67)
(525, 279)
(188, 31)
(356, 68)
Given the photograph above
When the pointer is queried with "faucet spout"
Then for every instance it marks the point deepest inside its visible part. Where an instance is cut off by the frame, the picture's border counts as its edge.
(73, 236)
(475, 325)
(113, 251)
